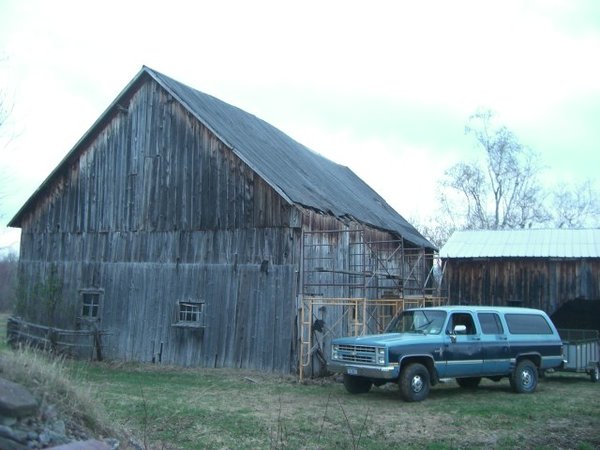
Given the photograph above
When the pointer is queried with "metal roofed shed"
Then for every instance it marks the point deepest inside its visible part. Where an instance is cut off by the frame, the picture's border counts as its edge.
(539, 268)
(547, 243)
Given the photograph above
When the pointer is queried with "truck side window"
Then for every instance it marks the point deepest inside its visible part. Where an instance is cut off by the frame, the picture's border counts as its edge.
(462, 319)
(527, 324)
(490, 323)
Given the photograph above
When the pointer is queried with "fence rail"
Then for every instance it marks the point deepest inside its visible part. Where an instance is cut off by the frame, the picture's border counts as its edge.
(79, 343)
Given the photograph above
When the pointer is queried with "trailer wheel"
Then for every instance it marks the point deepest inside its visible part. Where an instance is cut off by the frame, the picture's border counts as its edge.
(595, 374)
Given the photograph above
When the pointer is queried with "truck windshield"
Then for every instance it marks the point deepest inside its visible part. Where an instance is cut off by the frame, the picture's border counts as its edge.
(418, 321)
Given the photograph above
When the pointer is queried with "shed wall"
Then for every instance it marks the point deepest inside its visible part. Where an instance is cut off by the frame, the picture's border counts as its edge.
(533, 282)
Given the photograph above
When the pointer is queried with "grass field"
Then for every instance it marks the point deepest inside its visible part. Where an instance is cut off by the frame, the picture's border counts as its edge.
(169, 407)
(195, 408)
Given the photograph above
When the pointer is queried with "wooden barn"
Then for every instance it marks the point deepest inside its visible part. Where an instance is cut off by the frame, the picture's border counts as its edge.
(534, 268)
(183, 230)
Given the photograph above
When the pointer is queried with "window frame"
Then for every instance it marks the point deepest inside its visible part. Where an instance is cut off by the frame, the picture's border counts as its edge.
(189, 314)
(95, 304)
(470, 330)
(497, 322)
(517, 324)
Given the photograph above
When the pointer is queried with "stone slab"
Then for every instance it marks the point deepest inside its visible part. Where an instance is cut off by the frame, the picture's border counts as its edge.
(16, 400)
(92, 444)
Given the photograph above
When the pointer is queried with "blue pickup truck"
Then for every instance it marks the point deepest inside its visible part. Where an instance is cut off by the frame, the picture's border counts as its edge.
(421, 346)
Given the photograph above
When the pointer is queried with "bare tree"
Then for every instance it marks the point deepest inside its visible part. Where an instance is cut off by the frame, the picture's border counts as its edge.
(503, 190)
(437, 227)
(576, 206)
(8, 281)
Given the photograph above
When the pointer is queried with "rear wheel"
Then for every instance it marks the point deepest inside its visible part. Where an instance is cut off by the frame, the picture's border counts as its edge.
(414, 382)
(595, 374)
(469, 383)
(357, 385)
(525, 377)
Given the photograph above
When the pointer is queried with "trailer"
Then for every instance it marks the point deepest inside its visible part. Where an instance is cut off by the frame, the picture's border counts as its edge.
(581, 351)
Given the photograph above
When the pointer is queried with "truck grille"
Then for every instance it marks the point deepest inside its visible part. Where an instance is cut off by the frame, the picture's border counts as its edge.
(357, 353)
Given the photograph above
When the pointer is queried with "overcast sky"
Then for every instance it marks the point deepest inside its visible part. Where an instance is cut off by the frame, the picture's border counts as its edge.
(384, 87)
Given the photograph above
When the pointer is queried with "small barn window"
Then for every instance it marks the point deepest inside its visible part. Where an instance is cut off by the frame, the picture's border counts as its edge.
(190, 314)
(90, 305)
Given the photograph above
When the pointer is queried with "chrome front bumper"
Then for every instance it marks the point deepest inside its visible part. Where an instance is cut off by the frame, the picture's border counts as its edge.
(378, 372)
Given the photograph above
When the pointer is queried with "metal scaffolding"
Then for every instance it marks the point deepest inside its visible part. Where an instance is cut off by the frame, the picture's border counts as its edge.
(353, 284)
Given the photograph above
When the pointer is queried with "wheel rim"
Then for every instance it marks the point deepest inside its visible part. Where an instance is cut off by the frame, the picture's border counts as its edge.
(526, 378)
(417, 383)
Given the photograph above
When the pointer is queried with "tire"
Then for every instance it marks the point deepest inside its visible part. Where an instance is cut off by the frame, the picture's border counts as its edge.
(357, 385)
(525, 377)
(414, 383)
(595, 374)
(469, 383)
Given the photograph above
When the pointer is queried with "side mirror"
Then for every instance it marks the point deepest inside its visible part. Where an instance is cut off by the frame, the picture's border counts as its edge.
(458, 329)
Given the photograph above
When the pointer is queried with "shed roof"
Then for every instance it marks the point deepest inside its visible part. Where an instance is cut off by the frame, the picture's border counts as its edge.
(530, 243)
(297, 173)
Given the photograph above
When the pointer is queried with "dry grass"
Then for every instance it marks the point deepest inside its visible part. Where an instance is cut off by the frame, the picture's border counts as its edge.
(59, 391)
(53, 386)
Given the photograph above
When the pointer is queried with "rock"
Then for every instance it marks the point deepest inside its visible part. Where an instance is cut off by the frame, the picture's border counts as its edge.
(15, 400)
(44, 438)
(59, 427)
(5, 431)
(15, 435)
(9, 444)
(112, 443)
(8, 421)
(92, 444)
(25, 426)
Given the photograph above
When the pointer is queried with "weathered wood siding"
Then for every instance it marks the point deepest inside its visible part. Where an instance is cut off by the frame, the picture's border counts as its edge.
(249, 316)
(153, 210)
(156, 168)
(532, 282)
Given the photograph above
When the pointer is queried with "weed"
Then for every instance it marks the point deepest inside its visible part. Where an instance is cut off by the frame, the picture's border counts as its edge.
(49, 380)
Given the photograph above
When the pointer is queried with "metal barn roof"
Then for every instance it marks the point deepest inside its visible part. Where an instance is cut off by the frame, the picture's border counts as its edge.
(531, 243)
(298, 174)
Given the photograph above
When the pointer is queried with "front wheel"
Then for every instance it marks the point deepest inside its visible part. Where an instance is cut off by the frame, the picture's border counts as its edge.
(357, 385)
(525, 377)
(414, 383)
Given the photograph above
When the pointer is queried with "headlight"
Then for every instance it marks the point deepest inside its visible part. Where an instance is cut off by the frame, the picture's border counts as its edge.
(381, 355)
(334, 352)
